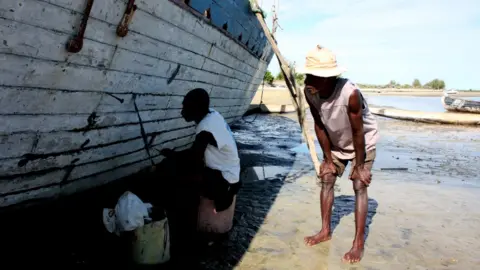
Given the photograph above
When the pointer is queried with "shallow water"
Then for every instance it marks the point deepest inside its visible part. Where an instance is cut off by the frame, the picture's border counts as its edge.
(423, 153)
(426, 104)
(410, 226)
(422, 218)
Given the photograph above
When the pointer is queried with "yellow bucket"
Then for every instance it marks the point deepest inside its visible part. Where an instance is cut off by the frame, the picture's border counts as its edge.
(151, 243)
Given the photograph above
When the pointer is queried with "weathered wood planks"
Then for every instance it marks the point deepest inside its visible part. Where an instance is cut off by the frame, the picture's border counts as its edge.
(68, 121)
(105, 16)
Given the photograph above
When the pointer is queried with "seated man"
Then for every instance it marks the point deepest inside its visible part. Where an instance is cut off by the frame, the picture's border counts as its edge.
(211, 165)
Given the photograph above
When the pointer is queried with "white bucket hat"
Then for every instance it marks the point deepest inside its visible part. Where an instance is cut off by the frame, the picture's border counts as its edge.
(321, 62)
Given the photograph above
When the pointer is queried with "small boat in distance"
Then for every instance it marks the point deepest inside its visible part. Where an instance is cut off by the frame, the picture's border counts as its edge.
(460, 105)
(451, 92)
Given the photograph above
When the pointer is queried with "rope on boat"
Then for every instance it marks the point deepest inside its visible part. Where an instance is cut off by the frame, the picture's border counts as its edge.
(298, 98)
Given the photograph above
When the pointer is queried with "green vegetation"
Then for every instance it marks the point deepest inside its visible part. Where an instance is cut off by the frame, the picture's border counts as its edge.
(299, 78)
(416, 83)
(268, 77)
(436, 84)
(279, 77)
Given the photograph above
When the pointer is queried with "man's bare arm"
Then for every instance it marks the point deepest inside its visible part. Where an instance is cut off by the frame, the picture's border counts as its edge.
(355, 116)
(202, 140)
(321, 133)
(197, 151)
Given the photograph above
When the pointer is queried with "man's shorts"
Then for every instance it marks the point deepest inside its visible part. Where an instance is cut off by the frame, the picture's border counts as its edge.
(341, 164)
(216, 188)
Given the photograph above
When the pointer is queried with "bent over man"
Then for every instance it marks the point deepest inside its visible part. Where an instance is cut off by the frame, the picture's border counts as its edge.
(347, 132)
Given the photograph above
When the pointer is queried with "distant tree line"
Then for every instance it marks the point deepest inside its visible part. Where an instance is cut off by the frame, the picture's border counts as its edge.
(433, 84)
(269, 78)
(436, 84)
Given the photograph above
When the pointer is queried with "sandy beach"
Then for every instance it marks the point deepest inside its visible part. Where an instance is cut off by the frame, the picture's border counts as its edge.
(282, 96)
(423, 217)
(423, 214)
(411, 226)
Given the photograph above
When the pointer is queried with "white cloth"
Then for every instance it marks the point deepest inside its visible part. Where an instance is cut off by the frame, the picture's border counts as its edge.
(224, 157)
(129, 214)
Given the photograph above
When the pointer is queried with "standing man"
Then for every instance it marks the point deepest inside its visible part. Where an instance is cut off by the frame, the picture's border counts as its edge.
(346, 131)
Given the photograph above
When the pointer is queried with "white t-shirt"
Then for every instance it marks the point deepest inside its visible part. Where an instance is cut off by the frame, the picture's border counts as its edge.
(224, 157)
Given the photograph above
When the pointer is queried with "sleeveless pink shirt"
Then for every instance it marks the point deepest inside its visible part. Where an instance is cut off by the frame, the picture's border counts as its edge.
(333, 112)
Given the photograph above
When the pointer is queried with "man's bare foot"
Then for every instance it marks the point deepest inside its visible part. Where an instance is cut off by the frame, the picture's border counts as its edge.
(322, 236)
(354, 255)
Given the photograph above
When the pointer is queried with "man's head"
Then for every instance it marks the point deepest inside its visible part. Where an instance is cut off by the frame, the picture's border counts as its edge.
(321, 69)
(195, 105)
(317, 84)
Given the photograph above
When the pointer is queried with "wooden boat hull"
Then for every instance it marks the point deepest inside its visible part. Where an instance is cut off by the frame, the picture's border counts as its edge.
(460, 105)
(73, 121)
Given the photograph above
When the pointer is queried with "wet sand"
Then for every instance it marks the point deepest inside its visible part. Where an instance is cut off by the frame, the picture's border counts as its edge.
(424, 217)
(411, 226)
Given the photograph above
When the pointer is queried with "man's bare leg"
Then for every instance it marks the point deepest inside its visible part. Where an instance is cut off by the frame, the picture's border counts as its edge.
(361, 210)
(326, 204)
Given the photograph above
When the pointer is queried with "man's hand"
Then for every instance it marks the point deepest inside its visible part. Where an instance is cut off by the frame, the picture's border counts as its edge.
(327, 167)
(167, 152)
(362, 174)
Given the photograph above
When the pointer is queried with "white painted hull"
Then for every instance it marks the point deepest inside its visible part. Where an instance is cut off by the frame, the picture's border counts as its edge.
(68, 121)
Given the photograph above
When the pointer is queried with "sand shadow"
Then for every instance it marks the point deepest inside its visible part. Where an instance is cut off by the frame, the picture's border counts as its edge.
(70, 231)
(344, 205)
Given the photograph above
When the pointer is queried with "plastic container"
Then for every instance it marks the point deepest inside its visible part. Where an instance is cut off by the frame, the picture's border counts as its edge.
(151, 243)
(209, 221)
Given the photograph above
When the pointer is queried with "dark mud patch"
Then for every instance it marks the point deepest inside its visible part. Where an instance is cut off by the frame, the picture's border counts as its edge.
(244, 146)
(282, 146)
(267, 140)
(430, 153)
(262, 159)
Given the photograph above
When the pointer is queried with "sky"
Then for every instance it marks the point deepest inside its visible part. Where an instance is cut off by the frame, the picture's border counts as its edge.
(382, 40)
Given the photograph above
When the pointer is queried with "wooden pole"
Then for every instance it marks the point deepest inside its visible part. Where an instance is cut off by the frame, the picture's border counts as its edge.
(298, 98)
